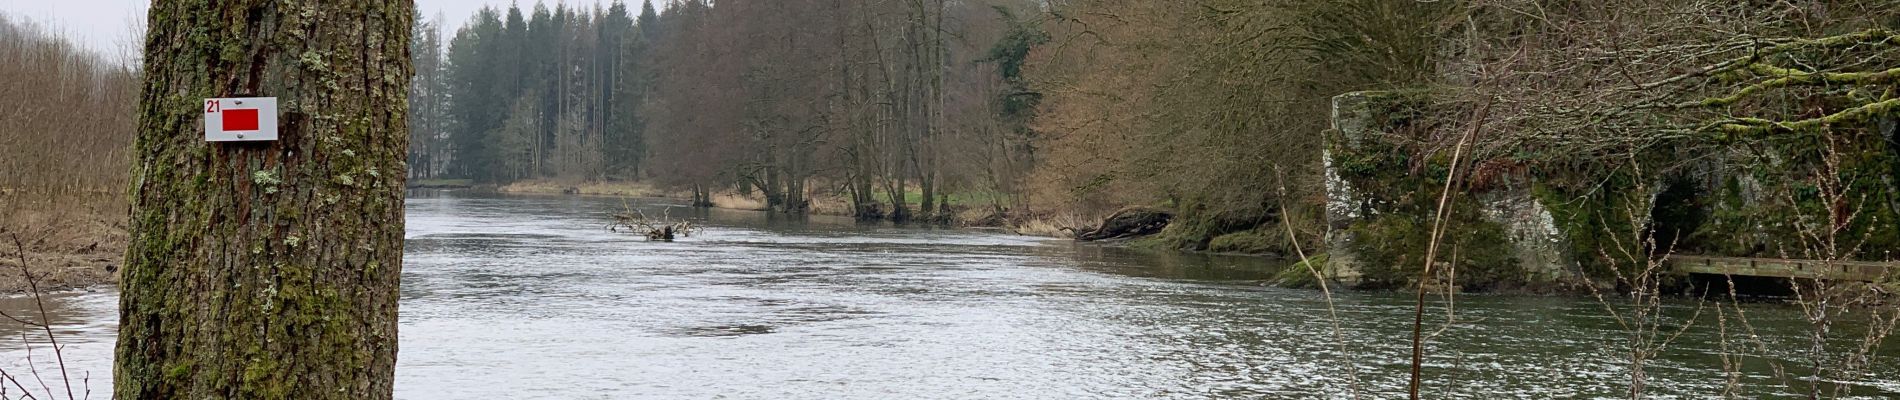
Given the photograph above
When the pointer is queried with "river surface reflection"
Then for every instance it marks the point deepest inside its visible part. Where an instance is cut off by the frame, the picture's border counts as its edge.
(530, 297)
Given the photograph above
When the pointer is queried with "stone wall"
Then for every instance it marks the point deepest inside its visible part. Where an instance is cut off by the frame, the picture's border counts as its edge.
(1548, 228)
(1362, 122)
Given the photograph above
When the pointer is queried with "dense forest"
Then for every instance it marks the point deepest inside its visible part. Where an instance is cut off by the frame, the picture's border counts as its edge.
(907, 110)
(1048, 115)
(787, 100)
(1003, 111)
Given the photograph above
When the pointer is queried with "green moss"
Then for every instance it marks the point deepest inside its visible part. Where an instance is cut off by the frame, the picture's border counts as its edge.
(179, 370)
(1785, 197)
(1251, 242)
(1398, 181)
(442, 182)
(1300, 274)
(1196, 226)
(1588, 218)
(1177, 236)
(261, 378)
(1393, 247)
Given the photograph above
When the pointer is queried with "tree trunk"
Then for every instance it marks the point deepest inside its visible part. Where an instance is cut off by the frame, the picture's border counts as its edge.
(268, 270)
(927, 204)
(900, 209)
(773, 189)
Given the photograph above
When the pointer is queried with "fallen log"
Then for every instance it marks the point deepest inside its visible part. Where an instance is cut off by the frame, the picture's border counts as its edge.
(1128, 223)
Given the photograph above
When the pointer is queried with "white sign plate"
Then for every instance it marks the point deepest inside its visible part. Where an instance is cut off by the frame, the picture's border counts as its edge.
(241, 119)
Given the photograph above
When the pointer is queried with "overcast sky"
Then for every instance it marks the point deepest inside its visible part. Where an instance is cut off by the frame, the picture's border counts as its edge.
(104, 25)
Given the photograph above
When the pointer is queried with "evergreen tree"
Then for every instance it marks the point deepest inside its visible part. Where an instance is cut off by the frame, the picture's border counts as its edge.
(633, 74)
(479, 97)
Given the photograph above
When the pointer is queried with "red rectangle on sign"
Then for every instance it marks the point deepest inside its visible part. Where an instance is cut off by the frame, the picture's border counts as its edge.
(240, 120)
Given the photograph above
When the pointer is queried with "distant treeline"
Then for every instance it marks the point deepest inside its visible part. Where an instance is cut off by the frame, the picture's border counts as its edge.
(549, 94)
(893, 105)
(1215, 108)
(916, 109)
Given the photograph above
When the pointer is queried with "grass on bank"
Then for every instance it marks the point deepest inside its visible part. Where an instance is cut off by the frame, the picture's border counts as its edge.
(596, 188)
(441, 183)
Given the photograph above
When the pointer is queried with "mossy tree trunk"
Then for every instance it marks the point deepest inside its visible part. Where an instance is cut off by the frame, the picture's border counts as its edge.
(268, 270)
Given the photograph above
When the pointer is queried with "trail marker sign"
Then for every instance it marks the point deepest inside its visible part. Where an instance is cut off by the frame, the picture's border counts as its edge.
(241, 119)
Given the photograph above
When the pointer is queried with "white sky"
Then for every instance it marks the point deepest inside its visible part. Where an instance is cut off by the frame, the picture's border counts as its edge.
(105, 26)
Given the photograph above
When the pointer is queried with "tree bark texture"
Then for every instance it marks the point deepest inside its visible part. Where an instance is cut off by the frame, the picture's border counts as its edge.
(268, 270)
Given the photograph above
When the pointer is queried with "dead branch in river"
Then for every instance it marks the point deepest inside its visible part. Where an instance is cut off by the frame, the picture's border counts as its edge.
(664, 228)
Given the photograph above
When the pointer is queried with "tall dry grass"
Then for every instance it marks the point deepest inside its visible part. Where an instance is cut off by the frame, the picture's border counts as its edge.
(66, 128)
(66, 123)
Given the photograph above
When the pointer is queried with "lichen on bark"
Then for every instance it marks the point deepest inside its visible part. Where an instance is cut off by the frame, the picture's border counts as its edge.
(251, 274)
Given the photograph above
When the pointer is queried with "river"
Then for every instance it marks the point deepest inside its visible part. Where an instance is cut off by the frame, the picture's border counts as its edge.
(530, 297)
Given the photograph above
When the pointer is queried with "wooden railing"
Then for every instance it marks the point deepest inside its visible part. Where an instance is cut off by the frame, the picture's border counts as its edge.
(1786, 268)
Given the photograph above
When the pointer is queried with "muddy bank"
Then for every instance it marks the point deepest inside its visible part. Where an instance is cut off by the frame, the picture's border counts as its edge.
(61, 253)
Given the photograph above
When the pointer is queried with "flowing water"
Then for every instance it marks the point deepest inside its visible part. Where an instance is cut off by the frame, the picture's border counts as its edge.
(531, 297)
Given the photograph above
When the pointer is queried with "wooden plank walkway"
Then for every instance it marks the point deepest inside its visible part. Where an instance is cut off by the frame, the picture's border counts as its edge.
(1786, 268)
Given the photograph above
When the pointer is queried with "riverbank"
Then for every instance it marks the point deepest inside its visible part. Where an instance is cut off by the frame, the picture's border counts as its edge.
(624, 189)
(1044, 225)
(63, 250)
(1040, 224)
(852, 287)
